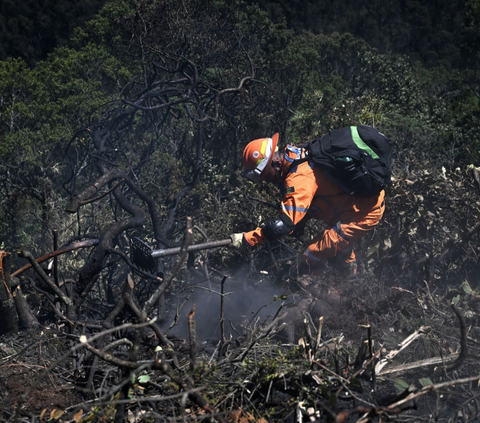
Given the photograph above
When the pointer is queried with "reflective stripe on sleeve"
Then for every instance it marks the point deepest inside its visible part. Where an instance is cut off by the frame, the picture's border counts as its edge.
(294, 209)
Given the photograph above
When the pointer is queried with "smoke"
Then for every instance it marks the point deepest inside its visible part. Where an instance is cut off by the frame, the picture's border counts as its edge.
(244, 299)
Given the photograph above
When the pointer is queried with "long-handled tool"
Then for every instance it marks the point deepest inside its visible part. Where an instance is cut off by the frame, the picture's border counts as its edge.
(143, 255)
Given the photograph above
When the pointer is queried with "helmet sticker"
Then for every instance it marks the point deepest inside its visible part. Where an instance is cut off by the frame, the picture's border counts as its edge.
(256, 154)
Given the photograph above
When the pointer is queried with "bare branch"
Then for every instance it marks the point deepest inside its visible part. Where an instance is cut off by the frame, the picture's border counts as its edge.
(63, 250)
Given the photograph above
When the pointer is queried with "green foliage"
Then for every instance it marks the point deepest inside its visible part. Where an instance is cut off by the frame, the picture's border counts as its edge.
(401, 385)
(300, 84)
(40, 111)
(425, 381)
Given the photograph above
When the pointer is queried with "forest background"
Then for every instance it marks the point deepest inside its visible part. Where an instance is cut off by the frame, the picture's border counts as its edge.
(122, 119)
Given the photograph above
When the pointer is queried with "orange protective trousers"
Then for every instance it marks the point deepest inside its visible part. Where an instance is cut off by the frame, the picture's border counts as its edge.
(342, 237)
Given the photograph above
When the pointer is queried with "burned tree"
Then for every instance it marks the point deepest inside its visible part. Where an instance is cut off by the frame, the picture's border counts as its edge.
(160, 99)
(130, 168)
(184, 95)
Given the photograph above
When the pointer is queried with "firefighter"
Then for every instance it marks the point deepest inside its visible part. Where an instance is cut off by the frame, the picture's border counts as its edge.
(308, 193)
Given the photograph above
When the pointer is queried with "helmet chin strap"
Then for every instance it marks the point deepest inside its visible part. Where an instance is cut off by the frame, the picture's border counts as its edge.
(278, 177)
(276, 167)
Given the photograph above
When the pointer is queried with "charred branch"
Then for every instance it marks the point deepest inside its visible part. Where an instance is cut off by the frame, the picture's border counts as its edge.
(127, 298)
(38, 380)
(168, 281)
(92, 268)
(92, 193)
(186, 188)
(193, 338)
(94, 265)
(58, 292)
(463, 344)
(463, 340)
(370, 412)
(8, 314)
(63, 250)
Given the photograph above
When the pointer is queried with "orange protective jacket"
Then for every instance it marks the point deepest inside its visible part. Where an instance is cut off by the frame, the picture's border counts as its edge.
(309, 192)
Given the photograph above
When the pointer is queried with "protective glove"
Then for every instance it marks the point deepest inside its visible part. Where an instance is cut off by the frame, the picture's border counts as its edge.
(238, 242)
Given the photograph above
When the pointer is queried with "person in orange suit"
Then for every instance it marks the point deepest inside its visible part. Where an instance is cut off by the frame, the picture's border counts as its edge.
(308, 193)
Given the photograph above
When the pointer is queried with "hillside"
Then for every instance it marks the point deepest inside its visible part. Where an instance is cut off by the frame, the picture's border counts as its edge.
(135, 128)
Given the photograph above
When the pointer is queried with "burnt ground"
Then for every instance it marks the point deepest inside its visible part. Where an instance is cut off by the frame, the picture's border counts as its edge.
(275, 372)
(398, 342)
(25, 358)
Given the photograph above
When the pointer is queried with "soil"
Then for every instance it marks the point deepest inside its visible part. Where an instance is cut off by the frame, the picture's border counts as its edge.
(24, 358)
(361, 313)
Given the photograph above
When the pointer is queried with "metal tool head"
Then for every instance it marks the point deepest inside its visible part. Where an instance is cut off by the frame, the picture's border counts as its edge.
(141, 255)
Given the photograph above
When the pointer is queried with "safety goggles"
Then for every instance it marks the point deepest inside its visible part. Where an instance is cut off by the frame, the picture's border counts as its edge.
(254, 175)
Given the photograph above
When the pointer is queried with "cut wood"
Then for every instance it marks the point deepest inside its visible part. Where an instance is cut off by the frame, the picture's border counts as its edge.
(420, 363)
(401, 346)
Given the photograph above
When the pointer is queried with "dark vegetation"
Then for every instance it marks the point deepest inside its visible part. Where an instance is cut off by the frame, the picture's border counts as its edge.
(31, 29)
(431, 32)
(135, 127)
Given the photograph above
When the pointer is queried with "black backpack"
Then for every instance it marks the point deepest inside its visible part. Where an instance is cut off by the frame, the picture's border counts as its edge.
(357, 158)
